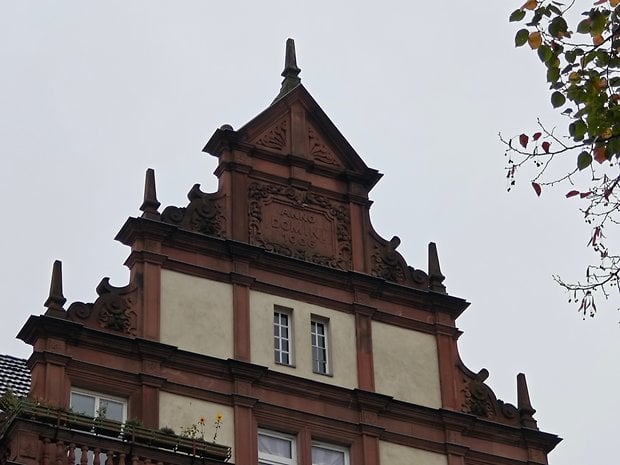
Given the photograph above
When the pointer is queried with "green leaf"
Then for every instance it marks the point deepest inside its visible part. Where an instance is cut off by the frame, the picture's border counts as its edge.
(544, 53)
(576, 94)
(557, 26)
(557, 99)
(580, 129)
(521, 37)
(517, 15)
(554, 9)
(599, 24)
(553, 74)
(602, 58)
(613, 146)
(570, 56)
(584, 159)
(584, 26)
(567, 69)
(538, 14)
(587, 58)
(553, 62)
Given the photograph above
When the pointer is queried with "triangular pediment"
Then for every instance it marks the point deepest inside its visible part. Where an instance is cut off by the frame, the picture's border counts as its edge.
(295, 125)
(306, 193)
(316, 147)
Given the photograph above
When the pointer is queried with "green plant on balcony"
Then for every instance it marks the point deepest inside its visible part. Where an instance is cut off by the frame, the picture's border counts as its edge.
(9, 402)
(197, 430)
(132, 431)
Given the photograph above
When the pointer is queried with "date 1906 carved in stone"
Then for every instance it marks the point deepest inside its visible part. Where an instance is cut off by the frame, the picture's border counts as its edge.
(302, 225)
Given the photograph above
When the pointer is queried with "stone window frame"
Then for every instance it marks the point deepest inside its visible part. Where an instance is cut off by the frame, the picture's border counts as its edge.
(281, 356)
(320, 344)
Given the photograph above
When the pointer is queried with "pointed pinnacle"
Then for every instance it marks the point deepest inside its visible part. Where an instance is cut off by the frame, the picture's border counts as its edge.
(150, 204)
(56, 300)
(435, 278)
(291, 71)
(526, 411)
(290, 60)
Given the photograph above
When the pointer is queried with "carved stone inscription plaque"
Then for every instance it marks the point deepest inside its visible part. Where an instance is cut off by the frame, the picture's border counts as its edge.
(296, 227)
(300, 224)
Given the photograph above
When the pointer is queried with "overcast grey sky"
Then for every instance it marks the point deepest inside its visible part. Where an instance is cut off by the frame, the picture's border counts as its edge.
(93, 93)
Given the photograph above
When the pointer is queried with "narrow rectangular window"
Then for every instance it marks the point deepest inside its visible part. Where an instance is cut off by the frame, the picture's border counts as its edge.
(282, 338)
(320, 356)
(276, 449)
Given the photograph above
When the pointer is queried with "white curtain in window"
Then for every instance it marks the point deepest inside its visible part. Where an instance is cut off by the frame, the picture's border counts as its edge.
(323, 456)
(275, 446)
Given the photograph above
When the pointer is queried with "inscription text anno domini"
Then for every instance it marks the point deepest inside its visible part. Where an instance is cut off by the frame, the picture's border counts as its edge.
(297, 228)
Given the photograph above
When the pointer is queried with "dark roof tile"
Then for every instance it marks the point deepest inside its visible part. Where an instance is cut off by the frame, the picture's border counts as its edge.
(14, 376)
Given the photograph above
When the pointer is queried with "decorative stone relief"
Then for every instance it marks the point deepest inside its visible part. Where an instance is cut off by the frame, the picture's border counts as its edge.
(203, 214)
(319, 150)
(300, 224)
(276, 137)
(114, 310)
(478, 399)
(388, 264)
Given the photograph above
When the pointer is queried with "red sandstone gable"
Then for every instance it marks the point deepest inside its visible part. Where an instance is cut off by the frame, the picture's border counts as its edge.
(274, 301)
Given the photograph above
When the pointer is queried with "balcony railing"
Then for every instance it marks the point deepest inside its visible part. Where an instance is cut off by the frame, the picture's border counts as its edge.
(72, 439)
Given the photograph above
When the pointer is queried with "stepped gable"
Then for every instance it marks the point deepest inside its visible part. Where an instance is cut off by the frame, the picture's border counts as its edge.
(14, 376)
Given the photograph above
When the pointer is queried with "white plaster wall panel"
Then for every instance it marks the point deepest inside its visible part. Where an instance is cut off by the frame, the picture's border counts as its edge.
(406, 364)
(178, 412)
(196, 314)
(341, 342)
(395, 454)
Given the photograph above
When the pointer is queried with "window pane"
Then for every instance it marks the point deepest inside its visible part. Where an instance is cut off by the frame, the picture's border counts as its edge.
(83, 404)
(318, 335)
(111, 409)
(275, 446)
(324, 456)
(281, 340)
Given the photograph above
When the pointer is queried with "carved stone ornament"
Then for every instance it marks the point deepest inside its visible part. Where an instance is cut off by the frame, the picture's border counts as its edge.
(114, 310)
(388, 264)
(275, 138)
(319, 151)
(479, 400)
(203, 214)
(300, 224)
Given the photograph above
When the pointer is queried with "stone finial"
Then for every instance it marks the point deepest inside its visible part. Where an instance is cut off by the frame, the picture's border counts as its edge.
(56, 300)
(291, 71)
(526, 411)
(150, 204)
(290, 60)
(435, 278)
